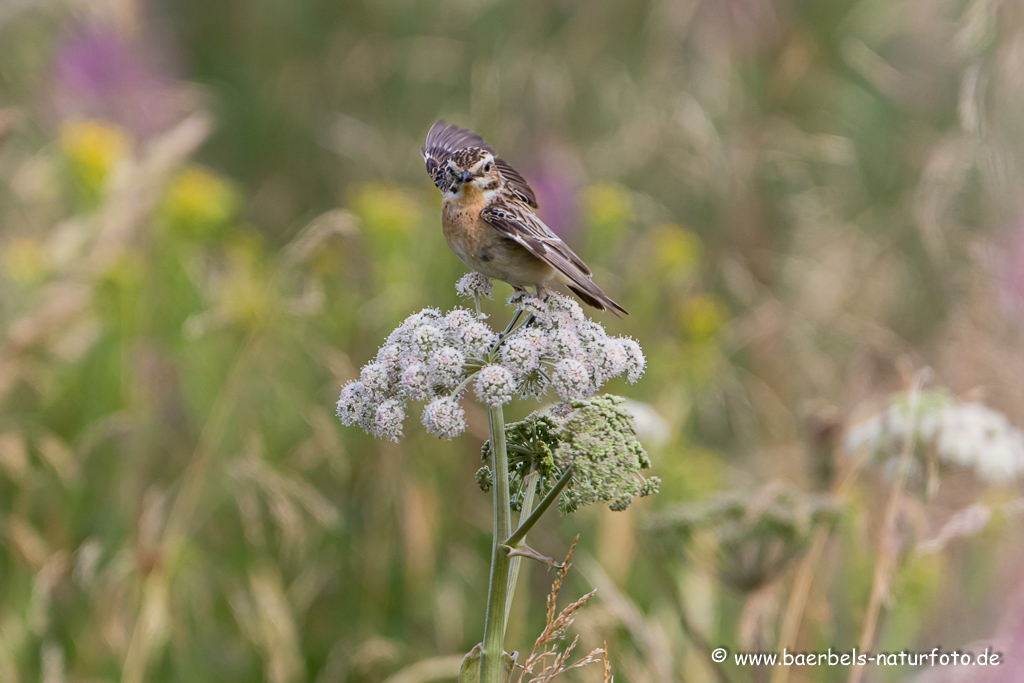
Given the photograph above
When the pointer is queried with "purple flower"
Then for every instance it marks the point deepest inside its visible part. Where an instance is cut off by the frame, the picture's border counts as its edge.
(555, 179)
(99, 74)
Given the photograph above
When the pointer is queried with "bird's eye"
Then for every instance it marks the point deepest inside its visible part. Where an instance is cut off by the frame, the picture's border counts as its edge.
(487, 167)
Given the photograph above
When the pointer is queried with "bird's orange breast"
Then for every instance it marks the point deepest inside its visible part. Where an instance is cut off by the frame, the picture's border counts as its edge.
(463, 228)
(484, 248)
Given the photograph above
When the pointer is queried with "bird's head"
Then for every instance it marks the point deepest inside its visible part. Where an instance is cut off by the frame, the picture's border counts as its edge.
(474, 167)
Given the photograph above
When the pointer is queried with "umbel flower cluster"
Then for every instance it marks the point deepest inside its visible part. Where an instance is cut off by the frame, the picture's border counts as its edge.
(596, 437)
(433, 358)
(967, 434)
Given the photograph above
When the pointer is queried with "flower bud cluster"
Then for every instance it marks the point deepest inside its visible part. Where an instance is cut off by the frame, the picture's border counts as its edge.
(595, 437)
(432, 357)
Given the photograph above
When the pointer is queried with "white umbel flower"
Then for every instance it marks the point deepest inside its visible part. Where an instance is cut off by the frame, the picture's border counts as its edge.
(455, 319)
(475, 339)
(636, 363)
(416, 381)
(389, 418)
(571, 380)
(473, 285)
(430, 356)
(495, 385)
(521, 354)
(966, 434)
(351, 403)
(375, 379)
(426, 338)
(529, 304)
(444, 418)
(608, 359)
(402, 334)
(390, 357)
(446, 366)
(565, 343)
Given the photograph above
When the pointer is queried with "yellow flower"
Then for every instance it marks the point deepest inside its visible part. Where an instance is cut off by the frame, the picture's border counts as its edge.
(388, 213)
(199, 203)
(608, 207)
(702, 316)
(249, 293)
(677, 250)
(23, 260)
(92, 148)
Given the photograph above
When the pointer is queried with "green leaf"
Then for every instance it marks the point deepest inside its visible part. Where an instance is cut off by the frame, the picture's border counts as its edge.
(469, 672)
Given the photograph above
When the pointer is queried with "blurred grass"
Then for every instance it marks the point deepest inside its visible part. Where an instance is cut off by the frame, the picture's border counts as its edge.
(792, 199)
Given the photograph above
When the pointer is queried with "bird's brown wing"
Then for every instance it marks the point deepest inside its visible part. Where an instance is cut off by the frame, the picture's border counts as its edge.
(442, 140)
(516, 183)
(515, 219)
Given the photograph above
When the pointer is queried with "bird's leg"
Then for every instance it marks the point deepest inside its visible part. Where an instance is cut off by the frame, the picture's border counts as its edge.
(512, 323)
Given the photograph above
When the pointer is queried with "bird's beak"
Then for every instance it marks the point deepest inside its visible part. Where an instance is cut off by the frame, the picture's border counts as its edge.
(465, 176)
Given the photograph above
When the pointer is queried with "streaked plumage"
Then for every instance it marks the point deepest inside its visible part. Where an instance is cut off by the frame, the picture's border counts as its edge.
(489, 220)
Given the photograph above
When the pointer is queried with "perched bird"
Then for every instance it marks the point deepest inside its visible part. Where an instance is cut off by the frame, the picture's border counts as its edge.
(489, 219)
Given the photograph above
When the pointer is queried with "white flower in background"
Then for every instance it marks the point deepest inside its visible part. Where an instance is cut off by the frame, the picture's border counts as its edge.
(971, 434)
(432, 357)
(966, 434)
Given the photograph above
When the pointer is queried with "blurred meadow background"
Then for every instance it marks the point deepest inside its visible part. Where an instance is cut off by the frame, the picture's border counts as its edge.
(211, 214)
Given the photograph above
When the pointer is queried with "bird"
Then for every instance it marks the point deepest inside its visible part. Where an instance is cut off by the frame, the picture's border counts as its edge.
(489, 219)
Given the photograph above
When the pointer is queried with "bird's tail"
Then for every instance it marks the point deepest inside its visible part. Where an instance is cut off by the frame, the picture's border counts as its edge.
(593, 296)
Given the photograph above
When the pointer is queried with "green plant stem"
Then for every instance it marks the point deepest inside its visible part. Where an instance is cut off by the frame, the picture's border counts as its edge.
(527, 524)
(888, 544)
(529, 493)
(499, 592)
